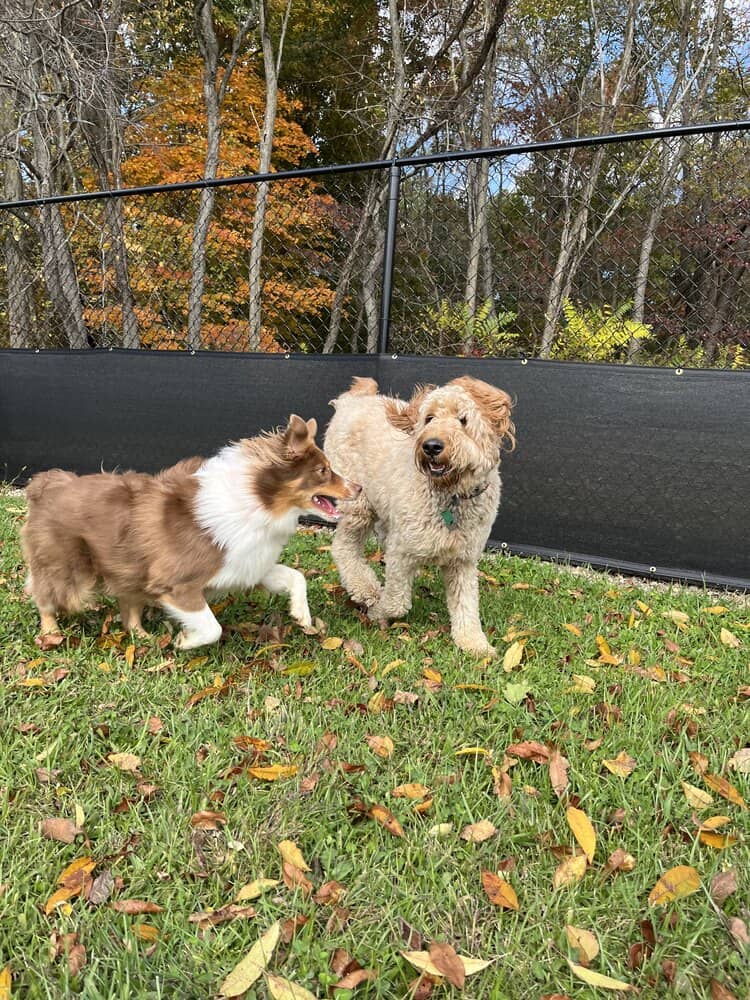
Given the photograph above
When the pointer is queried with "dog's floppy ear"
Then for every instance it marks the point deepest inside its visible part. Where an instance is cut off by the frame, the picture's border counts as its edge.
(495, 404)
(299, 434)
(404, 415)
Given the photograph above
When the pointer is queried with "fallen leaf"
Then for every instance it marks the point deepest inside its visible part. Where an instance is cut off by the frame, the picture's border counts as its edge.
(619, 860)
(386, 818)
(253, 965)
(124, 761)
(514, 694)
(332, 642)
(570, 871)
(598, 980)
(255, 889)
(207, 820)
(292, 854)
(275, 772)
(354, 978)
(583, 943)
(421, 960)
(697, 798)
(476, 833)
(720, 992)
(101, 888)
(678, 617)
(571, 627)
(295, 878)
(723, 885)
(740, 761)
(698, 760)
(499, 892)
(329, 893)
(473, 752)
(73, 877)
(380, 745)
(719, 841)
(64, 830)
(134, 906)
(712, 822)
(285, 989)
(413, 790)
(441, 830)
(210, 918)
(529, 750)
(622, 765)
(59, 896)
(583, 830)
(146, 932)
(674, 884)
(446, 960)
(300, 668)
(513, 656)
(729, 638)
(558, 773)
(738, 929)
(49, 641)
(582, 684)
(722, 787)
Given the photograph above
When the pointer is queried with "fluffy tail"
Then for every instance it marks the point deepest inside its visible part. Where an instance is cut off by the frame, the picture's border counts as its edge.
(43, 480)
(361, 386)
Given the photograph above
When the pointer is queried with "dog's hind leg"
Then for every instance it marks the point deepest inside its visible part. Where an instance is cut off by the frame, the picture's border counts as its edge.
(462, 596)
(348, 551)
(395, 600)
(131, 609)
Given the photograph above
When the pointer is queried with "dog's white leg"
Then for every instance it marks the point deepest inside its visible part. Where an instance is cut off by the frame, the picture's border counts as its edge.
(199, 628)
(395, 601)
(285, 580)
(348, 551)
(462, 596)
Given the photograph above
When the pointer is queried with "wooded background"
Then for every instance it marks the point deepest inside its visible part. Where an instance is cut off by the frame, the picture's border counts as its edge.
(636, 252)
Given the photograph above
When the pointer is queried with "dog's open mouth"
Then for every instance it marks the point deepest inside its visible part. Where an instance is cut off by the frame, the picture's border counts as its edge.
(437, 469)
(326, 505)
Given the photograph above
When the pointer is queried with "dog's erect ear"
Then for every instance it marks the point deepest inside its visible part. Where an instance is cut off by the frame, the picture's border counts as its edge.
(404, 415)
(299, 434)
(495, 404)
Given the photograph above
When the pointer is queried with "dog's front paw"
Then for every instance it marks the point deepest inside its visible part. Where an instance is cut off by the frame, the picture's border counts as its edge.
(475, 643)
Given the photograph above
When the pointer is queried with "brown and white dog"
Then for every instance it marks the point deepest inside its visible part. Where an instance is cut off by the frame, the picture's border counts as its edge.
(430, 491)
(198, 527)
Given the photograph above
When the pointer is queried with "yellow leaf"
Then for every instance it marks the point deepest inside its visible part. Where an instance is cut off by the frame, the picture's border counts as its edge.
(678, 617)
(674, 884)
(722, 787)
(583, 942)
(729, 638)
(513, 656)
(572, 628)
(375, 704)
(714, 823)
(60, 896)
(386, 818)
(84, 864)
(255, 889)
(332, 642)
(597, 979)
(275, 772)
(125, 761)
(716, 609)
(196, 662)
(421, 960)
(5, 983)
(718, 840)
(582, 829)
(253, 965)
(475, 833)
(380, 745)
(570, 871)
(413, 790)
(696, 797)
(130, 655)
(603, 646)
(634, 658)
(433, 676)
(393, 665)
(499, 892)
(622, 765)
(284, 989)
(32, 682)
(473, 752)
(292, 854)
(643, 608)
(146, 932)
(583, 684)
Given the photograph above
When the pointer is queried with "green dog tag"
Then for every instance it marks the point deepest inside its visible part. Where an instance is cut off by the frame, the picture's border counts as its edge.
(448, 518)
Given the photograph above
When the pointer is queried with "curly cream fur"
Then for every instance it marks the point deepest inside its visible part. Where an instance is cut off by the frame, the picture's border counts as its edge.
(378, 441)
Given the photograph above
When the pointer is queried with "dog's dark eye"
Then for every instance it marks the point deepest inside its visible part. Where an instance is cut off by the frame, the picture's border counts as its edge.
(462, 421)
(322, 470)
(428, 418)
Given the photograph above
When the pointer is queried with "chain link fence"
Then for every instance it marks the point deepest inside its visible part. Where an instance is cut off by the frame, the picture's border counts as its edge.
(630, 249)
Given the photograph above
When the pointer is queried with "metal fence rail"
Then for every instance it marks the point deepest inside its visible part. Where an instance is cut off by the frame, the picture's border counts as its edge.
(624, 248)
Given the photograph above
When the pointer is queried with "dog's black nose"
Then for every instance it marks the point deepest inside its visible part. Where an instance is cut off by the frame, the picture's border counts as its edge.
(432, 447)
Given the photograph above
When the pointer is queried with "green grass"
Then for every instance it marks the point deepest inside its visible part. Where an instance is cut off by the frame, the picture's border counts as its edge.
(102, 706)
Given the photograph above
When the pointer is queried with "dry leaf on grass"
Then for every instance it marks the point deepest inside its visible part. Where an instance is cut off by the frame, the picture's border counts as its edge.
(499, 892)
(284, 989)
(386, 818)
(275, 772)
(255, 889)
(722, 787)
(622, 765)
(63, 830)
(583, 943)
(570, 871)
(696, 797)
(598, 980)
(134, 906)
(253, 965)
(292, 854)
(476, 833)
(583, 830)
(380, 745)
(558, 773)
(124, 761)
(723, 885)
(675, 884)
(422, 960)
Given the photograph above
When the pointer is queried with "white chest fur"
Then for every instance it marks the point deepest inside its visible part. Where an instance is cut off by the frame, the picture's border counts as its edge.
(226, 508)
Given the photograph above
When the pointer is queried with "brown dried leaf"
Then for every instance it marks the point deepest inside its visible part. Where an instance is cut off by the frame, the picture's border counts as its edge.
(722, 787)
(386, 818)
(207, 819)
(381, 745)
(124, 761)
(64, 830)
(558, 773)
(529, 750)
(293, 855)
(329, 893)
(570, 871)
(499, 892)
(477, 833)
(738, 929)
(354, 978)
(622, 765)
(133, 906)
(295, 878)
(720, 992)
(619, 860)
(723, 885)
(101, 888)
(445, 959)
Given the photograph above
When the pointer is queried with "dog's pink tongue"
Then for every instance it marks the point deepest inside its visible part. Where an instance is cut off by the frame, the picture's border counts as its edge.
(326, 506)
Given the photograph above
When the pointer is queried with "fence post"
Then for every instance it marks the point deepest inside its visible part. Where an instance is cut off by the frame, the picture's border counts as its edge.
(389, 251)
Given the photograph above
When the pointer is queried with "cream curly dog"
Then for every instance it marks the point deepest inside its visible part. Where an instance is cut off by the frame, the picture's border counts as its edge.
(430, 491)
